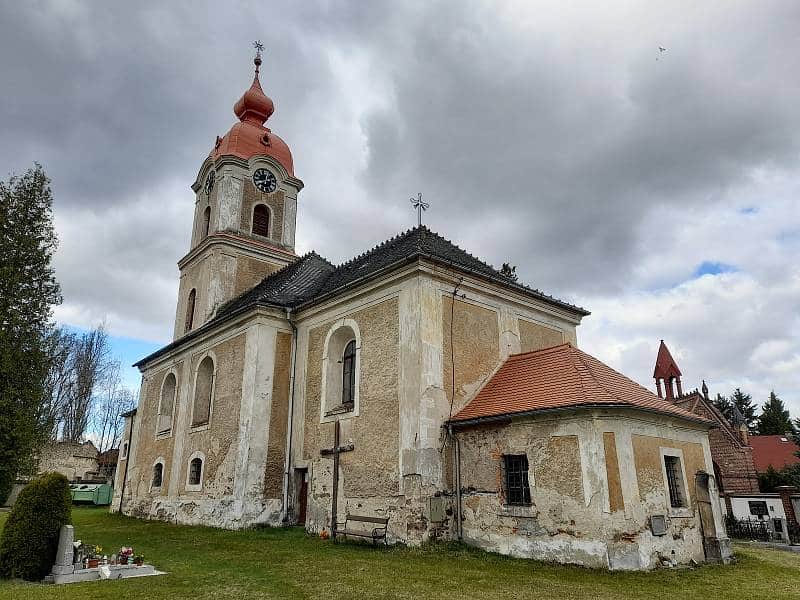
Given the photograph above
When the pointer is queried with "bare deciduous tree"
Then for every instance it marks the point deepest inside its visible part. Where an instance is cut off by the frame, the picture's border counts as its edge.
(90, 366)
(111, 402)
(59, 382)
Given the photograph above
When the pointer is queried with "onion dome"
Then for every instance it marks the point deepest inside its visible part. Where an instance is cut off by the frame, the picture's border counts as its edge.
(249, 137)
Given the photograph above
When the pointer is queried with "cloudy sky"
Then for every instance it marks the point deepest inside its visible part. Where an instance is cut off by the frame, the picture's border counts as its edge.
(658, 189)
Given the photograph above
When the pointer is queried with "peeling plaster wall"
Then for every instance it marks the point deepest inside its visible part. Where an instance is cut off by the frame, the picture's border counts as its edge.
(235, 444)
(276, 449)
(370, 472)
(577, 514)
(534, 336)
(475, 348)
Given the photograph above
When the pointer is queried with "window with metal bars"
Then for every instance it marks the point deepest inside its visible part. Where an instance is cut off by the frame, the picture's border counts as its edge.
(515, 467)
(677, 497)
(261, 220)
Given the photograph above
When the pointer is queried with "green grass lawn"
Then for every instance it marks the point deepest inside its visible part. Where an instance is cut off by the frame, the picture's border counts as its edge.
(286, 563)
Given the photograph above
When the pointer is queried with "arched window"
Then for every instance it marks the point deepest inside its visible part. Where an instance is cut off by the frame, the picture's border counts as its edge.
(203, 390)
(166, 405)
(340, 370)
(349, 374)
(158, 474)
(206, 221)
(195, 471)
(261, 220)
(190, 311)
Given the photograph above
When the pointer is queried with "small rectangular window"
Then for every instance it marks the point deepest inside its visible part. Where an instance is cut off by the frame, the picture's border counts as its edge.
(516, 479)
(677, 495)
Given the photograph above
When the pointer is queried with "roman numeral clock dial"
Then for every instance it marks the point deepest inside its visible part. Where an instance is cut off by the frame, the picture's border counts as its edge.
(264, 180)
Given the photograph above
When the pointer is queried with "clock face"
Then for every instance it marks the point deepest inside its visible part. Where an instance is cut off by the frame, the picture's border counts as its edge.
(210, 182)
(264, 180)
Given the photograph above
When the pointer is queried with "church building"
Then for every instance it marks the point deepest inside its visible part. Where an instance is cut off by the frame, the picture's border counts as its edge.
(414, 383)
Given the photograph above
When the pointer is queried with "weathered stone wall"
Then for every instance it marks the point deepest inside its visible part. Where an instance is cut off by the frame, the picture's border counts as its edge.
(586, 505)
(475, 348)
(273, 201)
(534, 336)
(369, 474)
(249, 272)
(218, 440)
(276, 445)
(150, 446)
(73, 460)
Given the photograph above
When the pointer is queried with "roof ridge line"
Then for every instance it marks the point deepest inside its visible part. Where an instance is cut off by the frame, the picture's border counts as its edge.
(539, 350)
(377, 247)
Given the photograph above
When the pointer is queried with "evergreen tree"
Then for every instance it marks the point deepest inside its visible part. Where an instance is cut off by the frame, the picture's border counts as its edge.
(744, 402)
(28, 290)
(774, 418)
(724, 406)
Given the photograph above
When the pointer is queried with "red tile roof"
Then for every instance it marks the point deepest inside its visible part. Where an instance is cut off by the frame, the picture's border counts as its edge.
(775, 450)
(561, 377)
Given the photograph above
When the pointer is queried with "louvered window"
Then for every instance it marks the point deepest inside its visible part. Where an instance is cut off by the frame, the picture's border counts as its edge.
(206, 221)
(261, 220)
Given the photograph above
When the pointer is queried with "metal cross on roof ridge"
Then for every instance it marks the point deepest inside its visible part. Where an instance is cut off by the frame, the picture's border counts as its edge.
(419, 204)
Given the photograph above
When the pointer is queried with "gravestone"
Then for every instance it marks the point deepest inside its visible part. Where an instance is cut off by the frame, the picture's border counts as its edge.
(66, 551)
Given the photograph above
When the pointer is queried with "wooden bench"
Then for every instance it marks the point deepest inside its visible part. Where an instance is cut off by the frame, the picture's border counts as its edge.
(375, 533)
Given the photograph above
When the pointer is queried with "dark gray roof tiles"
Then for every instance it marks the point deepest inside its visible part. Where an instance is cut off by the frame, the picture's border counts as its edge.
(312, 277)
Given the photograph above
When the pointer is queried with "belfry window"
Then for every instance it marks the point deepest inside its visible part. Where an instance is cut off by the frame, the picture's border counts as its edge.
(187, 327)
(261, 220)
(203, 392)
(206, 221)
(349, 374)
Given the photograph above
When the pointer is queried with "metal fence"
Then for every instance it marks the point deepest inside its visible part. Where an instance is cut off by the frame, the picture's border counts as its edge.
(746, 529)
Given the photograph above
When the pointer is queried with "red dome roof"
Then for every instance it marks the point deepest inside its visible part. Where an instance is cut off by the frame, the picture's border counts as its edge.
(249, 137)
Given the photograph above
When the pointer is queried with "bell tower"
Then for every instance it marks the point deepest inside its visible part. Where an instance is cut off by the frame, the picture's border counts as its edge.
(667, 372)
(245, 212)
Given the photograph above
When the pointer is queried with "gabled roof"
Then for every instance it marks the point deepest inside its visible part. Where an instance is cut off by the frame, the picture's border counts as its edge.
(666, 366)
(312, 277)
(557, 378)
(776, 450)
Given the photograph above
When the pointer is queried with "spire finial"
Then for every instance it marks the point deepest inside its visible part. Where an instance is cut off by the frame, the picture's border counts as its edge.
(259, 49)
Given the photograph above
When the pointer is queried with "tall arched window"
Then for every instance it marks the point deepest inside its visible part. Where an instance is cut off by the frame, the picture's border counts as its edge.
(203, 390)
(190, 311)
(206, 221)
(349, 374)
(261, 220)
(166, 405)
(196, 471)
(158, 475)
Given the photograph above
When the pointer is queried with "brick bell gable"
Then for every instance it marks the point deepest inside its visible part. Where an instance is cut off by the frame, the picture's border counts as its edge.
(733, 459)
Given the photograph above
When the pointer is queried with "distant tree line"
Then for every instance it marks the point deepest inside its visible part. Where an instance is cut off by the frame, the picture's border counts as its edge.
(54, 384)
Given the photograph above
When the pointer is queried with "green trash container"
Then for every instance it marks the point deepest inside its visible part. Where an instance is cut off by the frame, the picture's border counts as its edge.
(98, 494)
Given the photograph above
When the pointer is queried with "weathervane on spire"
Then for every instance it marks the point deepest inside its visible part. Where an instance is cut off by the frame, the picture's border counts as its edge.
(419, 204)
(259, 49)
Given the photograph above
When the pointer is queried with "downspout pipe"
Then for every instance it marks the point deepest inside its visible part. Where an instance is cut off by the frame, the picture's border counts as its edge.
(290, 424)
(459, 524)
